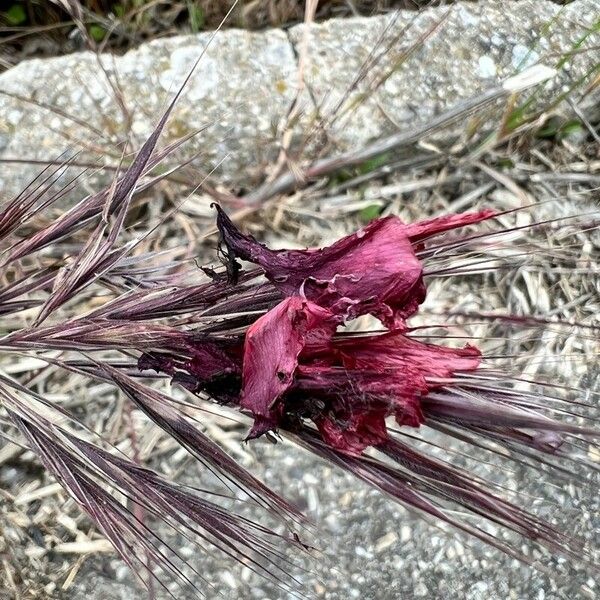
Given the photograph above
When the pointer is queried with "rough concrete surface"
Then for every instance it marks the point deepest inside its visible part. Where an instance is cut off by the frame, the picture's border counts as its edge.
(246, 82)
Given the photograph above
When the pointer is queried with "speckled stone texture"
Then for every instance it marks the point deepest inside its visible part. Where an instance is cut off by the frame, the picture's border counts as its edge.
(465, 49)
(242, 92)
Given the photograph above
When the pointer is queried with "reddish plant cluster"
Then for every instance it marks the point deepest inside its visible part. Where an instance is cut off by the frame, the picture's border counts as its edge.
(294, 362)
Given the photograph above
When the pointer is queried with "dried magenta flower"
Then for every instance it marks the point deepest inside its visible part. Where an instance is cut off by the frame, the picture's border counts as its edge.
(358, 382)
(374, 270)
(294, 365)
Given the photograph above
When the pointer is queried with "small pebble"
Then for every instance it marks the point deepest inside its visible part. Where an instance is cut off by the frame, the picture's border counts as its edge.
(49, 588)
(421, 590)
(228, 579)
(123, 573)
(312, 499)
(486, 67)
(405, 533)
(310, 479)
(385, 541)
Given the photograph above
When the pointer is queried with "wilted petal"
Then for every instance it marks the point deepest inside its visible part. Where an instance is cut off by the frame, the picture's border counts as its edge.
(422, 229)
(374, 270)
(381, 352)
(209, 361)
(352, 434)
(206, 367)
(357, 402)
(272, 347)
(404, 368)
(360, 380)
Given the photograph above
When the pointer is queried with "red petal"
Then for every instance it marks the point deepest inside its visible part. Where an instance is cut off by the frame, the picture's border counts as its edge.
(422, 229)
(363, 379)
(380, 352)
(405, 366)
(271, 350)
(354, 433)
(374, 270)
